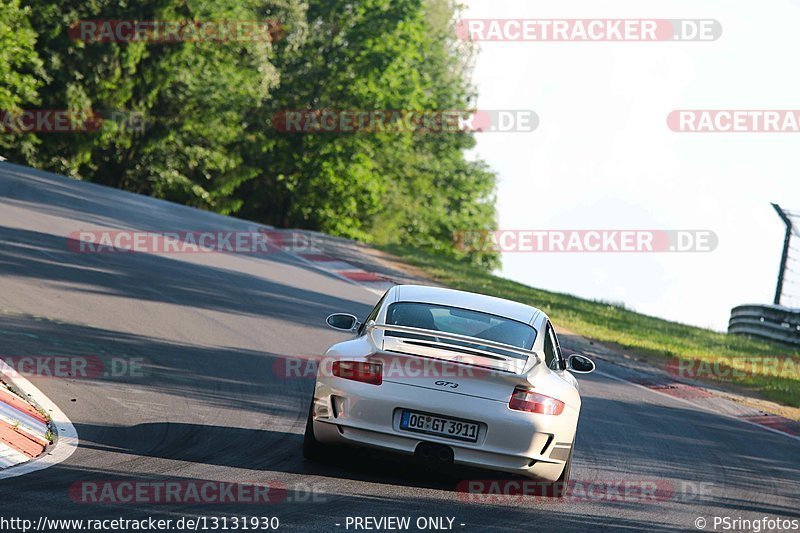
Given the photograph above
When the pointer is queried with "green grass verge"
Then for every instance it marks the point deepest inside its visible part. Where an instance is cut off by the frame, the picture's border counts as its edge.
(772, 370)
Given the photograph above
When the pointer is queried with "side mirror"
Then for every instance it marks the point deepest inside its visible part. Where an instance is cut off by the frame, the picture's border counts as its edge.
(580, 364)
(342, 321)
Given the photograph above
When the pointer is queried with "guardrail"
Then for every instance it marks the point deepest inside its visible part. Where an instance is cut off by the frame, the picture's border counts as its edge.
(772, 322)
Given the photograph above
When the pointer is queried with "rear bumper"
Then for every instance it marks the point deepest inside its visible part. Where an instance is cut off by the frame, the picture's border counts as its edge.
(349, 412)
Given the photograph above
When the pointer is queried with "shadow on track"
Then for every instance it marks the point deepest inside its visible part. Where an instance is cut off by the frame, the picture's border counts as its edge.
(32, 254)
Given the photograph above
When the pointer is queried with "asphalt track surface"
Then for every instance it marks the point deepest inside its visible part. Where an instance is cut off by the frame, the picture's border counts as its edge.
(209, 329)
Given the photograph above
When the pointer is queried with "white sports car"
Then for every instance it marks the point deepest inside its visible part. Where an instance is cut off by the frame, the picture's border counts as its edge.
(451, 377)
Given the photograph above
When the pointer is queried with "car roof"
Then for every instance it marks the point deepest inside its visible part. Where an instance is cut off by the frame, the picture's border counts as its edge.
(467, 300)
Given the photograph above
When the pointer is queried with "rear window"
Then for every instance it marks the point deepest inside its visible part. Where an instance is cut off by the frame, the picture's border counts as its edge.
(461, 322)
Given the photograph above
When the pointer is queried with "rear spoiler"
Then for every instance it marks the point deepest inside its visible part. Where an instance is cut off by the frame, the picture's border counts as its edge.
(519, 362)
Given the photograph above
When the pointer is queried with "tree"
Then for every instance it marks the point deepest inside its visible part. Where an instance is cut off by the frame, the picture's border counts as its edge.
(196, 98)
(410, 187)
(203, 131)
(20, 70)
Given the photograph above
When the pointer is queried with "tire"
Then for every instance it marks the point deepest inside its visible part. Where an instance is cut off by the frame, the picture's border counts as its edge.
(561, 486)
(313, 450)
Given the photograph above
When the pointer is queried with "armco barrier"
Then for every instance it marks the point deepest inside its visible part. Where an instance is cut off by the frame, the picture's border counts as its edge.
(772, 322)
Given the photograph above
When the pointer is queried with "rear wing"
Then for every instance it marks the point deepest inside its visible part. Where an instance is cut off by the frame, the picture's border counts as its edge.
(461, 348)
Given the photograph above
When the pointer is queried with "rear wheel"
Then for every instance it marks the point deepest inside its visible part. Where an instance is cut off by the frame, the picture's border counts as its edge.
(312, 449)
(562, 484)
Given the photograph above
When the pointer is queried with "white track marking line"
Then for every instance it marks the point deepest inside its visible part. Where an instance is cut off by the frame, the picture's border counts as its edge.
(67, 441)
(702, 408)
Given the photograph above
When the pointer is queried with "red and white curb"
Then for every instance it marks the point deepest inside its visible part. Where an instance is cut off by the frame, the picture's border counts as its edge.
(310, 254)
(346, 271)
(751, 415)
(24, 430)
(705, 400)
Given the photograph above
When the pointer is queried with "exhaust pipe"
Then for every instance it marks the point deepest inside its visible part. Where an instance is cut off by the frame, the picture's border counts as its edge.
(444, 455)
(435, 453)
(424, 451)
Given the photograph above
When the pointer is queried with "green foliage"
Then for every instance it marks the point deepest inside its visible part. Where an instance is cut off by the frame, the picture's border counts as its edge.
(195, 98)
(208, 111)
(20, 68)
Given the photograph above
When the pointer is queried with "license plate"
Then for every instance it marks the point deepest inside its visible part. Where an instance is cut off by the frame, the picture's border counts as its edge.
(438, 425)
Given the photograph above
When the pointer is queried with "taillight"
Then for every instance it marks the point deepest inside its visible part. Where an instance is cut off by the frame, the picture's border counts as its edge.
(371, 373)
(527, 400)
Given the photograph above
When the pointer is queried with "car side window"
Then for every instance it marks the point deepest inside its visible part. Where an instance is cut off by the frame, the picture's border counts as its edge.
(372, 315)
(559, 355)
(554, 358)
(549, 348)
